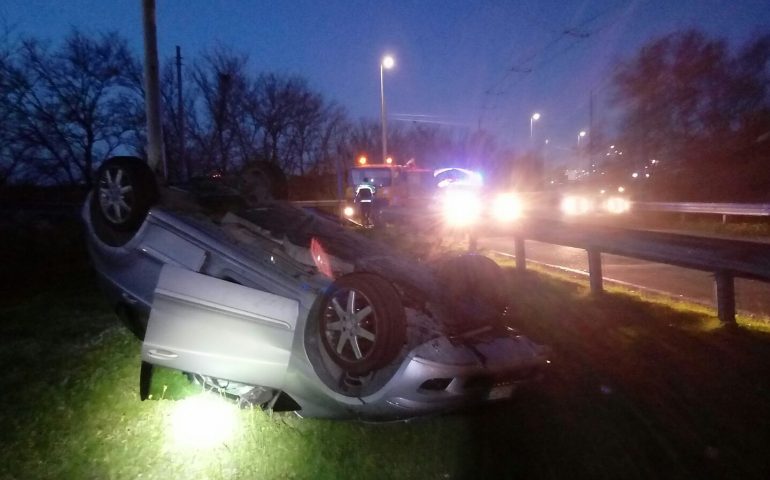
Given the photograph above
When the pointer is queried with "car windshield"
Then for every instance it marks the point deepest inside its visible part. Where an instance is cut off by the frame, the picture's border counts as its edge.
(379, 177)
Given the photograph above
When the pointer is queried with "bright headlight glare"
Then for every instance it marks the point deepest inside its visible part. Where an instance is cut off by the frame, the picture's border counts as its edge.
(348, 211)
(617, 205)
(461, 208)
(576, 205)
(203, 421)
(506, 207)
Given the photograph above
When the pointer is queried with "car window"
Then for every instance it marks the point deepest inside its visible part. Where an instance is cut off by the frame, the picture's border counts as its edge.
(379, 177)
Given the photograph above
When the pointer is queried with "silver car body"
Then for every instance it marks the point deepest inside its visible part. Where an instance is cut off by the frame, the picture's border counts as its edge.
(229, 301)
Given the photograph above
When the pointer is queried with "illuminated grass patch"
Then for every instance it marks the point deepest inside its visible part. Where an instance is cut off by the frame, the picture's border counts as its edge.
(203, 422)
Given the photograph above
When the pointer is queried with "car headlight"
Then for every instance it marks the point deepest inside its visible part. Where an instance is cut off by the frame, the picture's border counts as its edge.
(461, 208)
(506, 207)
(348, 211)
(617, 205)
(576, 205)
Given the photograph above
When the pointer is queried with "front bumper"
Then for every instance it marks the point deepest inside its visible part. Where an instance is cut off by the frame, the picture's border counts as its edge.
(440, 376)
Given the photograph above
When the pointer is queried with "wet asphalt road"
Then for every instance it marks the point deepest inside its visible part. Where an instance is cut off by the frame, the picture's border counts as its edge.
(751, 296)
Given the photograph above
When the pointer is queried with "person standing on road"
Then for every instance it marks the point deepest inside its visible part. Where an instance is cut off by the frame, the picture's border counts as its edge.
(365, 200)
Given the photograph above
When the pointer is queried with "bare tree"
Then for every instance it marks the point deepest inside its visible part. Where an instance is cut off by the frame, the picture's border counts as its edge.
(697, 107)
(217, 130)
(276, 108)
(237, 118)
(305, 131)
(11, 91)
(179, 168)
(331, 141)
(429, 145)
(75, 107)
(364, 138)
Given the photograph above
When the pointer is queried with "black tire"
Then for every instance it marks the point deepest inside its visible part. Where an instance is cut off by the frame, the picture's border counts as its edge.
(477, 288)
(377, 336)
(125, 189)
(262, 182)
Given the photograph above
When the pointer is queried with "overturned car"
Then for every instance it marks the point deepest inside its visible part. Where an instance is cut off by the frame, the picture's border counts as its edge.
(289, 310)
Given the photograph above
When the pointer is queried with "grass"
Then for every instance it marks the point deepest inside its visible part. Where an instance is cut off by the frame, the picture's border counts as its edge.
(707, 313)
(635, 390)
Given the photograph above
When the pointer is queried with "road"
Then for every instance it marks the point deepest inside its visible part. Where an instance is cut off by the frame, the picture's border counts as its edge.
(751, 296)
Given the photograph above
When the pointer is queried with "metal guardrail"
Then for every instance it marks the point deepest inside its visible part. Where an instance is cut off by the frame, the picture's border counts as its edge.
(727, 259)
(743, 209)
(317, 203)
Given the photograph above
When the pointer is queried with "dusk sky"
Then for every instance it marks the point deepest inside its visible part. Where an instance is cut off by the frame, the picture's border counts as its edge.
(469, 63)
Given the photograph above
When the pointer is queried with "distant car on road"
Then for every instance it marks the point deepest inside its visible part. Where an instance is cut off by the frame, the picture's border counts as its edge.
(285, 309)
(581, 203)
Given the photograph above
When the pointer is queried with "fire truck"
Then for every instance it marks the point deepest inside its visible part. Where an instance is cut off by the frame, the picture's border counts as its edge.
(446, 197)
(378, 191)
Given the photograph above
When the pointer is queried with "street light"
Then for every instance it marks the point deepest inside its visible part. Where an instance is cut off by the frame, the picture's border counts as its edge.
(535, 117)
(386, 63)
(581, 135)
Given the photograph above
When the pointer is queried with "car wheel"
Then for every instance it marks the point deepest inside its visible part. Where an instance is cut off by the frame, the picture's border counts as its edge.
(362, 324)
(124, 192)
(478, 289)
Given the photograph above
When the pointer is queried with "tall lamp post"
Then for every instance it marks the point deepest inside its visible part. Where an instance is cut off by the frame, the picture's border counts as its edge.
(386, 63)
(535, 117)
(580, 136)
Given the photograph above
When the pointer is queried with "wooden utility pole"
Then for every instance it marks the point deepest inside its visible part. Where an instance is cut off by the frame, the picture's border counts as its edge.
(152, 90)
(180, 115)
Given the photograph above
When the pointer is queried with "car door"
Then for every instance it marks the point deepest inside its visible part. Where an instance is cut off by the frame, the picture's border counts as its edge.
(213, 327)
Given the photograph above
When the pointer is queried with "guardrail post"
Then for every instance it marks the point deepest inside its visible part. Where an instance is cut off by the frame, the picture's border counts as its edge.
(595, 270)
(521, 258)
(724, 291)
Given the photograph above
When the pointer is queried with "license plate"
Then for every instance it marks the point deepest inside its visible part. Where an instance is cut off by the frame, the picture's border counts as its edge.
(500, 392)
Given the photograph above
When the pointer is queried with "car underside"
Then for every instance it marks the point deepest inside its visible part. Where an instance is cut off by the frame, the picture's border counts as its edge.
(284, 308)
